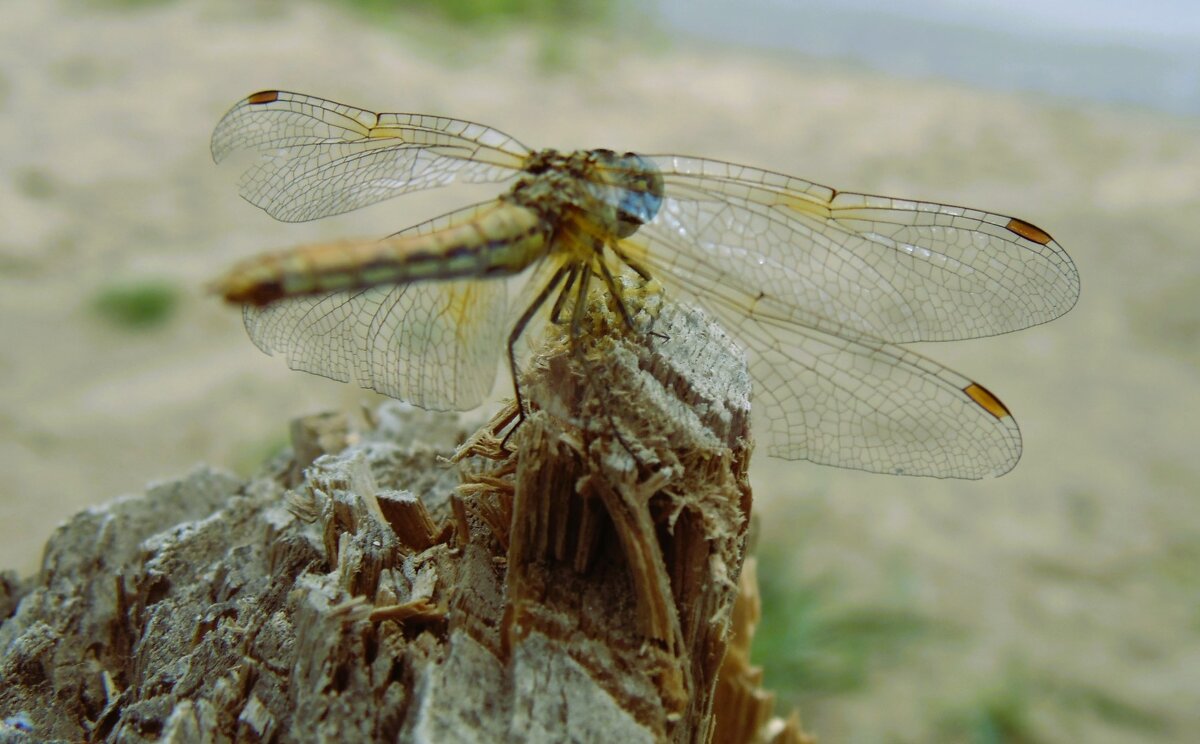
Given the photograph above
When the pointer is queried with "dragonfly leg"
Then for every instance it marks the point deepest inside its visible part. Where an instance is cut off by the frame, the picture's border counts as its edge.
(615, 291)
(637, 267)
(640, 271)
(610, 407)
(581, 300)
(518, 329)
(556, 313)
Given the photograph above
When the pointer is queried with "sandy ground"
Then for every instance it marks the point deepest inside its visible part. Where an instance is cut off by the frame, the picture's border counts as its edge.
(1075, 578)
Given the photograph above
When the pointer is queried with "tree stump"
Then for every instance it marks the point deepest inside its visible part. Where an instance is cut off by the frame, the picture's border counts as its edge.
(574, 583)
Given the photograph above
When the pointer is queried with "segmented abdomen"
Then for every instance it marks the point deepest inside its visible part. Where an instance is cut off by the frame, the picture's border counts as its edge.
(502, 239)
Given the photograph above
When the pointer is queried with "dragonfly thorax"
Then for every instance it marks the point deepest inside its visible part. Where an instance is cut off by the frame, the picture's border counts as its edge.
(617, 193)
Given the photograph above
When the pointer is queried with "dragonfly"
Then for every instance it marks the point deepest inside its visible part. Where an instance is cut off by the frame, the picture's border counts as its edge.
(821, 288)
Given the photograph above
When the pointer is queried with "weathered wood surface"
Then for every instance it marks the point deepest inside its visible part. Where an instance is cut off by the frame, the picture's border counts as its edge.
(580, 588)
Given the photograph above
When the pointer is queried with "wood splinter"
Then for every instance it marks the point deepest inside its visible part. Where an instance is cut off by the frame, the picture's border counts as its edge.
(625, 521)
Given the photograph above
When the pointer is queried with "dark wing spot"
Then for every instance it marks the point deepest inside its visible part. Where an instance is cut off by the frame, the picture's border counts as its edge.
(1028, 231)
(985, 400)
(265, 96)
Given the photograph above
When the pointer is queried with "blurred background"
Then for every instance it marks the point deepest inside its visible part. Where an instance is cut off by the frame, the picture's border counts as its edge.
(1059, 603)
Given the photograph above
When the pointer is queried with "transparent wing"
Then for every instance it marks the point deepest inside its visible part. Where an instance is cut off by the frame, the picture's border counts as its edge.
(896, 270)
(848, 399)
(431, 343)
(317, 158)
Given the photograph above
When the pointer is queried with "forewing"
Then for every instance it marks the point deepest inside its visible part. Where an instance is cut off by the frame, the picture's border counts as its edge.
(433, 343)
(897, 270)
(317, 158)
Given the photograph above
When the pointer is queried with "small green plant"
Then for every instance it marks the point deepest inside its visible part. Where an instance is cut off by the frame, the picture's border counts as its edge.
(137, 305)
(478, 12)
(35, 183)
(811, 644)
(127, 4)
(1003, 713)
(1113, 710)
(1000, 715)
(252, 455)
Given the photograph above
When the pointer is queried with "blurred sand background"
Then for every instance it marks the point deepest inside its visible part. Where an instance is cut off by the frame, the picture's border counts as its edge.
(1059, 603)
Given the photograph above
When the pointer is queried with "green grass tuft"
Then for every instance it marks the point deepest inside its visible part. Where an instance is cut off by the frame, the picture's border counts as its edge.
(253, 456)
(483, 12)
(137, 305)
(1000, 715)
(811, 644)
(1003, 713)
(127, 4)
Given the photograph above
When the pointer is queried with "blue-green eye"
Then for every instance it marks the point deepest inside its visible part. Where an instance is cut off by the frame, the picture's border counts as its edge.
(641, 195)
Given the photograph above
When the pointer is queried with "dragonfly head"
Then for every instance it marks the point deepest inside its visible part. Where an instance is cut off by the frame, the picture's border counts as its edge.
(635, 188)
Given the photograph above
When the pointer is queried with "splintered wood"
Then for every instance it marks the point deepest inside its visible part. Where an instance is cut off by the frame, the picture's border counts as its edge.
(624, 507)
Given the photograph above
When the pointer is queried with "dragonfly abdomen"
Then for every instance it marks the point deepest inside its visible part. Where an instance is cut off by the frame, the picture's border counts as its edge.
(501, 240)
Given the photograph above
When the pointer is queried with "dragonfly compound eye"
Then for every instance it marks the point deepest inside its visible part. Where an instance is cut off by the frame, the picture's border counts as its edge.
(641, 193)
